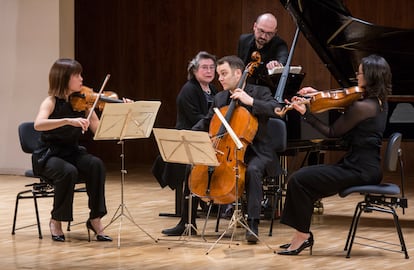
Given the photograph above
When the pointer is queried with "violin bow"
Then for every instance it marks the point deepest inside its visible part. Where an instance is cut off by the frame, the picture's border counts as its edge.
(99, 94)
(96, 100)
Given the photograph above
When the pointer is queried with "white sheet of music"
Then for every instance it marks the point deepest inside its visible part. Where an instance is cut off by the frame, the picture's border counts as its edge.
(185, 146)
(127, 120)
(278, 70)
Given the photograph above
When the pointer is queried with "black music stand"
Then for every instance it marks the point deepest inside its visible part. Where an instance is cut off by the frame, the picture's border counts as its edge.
(186, 147)
(120, 121)
(237, 217)
(293, 84)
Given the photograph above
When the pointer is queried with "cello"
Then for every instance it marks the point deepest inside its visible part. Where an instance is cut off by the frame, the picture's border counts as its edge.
(221, 183)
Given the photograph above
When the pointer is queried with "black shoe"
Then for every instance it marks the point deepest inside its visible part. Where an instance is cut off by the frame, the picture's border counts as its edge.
(178, 230)
(285, 246)
(57, 238)
(227, 212)
(99, 237)
(308, 243)
(254, 226)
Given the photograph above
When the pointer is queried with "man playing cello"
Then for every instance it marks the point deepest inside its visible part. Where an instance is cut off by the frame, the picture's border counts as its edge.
(258, 157)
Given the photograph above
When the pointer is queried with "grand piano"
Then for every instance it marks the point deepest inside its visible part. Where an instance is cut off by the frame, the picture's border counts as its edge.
(341, 40)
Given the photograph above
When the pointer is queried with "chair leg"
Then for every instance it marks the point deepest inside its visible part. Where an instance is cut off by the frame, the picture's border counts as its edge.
(272, 219)
(400, 234)
(37, 215)
(364, 207)
(19, 196)
(15, 209)
(275, 206)
(218, 218)
(353, 229)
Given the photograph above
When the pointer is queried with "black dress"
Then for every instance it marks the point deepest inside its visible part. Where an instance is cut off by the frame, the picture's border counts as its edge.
(361, 127)
(63, 162)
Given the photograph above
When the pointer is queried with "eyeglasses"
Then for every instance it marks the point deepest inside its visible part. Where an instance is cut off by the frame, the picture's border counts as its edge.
(260, 31)
(206, 67)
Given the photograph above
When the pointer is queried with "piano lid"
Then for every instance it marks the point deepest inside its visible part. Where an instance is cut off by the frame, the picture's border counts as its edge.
(341, 41)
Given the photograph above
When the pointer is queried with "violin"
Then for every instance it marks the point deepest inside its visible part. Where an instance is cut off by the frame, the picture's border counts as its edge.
(86, 97)
(322, 101)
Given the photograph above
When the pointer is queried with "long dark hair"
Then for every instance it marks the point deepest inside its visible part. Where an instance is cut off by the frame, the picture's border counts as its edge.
(378, 77)
(60, 74)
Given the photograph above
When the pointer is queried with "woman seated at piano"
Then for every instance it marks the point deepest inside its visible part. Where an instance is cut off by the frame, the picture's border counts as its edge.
(361, 127)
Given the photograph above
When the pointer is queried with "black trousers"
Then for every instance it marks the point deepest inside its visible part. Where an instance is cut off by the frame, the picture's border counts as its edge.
(64, 174)
(255, 172)
(309, 184)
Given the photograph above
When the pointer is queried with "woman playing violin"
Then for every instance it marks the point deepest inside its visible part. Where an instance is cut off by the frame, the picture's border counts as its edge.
(60, 159)
(361, 126)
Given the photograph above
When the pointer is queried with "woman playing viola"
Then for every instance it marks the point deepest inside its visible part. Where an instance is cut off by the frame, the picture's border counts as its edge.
(361, 127)
(60, 159)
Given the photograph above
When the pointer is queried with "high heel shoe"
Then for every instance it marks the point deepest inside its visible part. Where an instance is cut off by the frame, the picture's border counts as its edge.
(58, 237)
(285, 246)
(308, 243)
(99, 237)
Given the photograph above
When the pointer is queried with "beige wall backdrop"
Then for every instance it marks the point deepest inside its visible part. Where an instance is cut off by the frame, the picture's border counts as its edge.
(33, 35)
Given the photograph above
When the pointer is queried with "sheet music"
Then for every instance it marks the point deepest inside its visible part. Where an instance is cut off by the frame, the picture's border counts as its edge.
(278, 70)
(185, 146)
(127, 120)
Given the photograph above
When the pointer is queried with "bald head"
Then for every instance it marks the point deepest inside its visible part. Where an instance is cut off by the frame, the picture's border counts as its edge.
(267, 20)
(264, 29)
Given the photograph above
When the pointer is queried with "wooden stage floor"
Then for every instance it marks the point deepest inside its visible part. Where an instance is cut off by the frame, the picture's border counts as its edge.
(145, 199)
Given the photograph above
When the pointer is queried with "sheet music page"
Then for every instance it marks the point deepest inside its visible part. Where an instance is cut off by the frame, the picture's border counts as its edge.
(185, 146)
(127, 120)
(277, 70)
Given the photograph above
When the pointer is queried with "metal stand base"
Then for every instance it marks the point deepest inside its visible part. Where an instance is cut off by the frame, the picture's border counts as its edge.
(122, 210)
(189, 225)
(237, 218)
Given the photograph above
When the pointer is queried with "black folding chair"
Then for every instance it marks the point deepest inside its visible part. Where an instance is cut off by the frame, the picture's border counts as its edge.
(384, 197)
(29, 140)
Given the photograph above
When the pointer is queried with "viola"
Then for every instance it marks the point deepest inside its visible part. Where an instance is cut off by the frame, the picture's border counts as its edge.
(219, 183)
(86, 97)
(322, 101)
